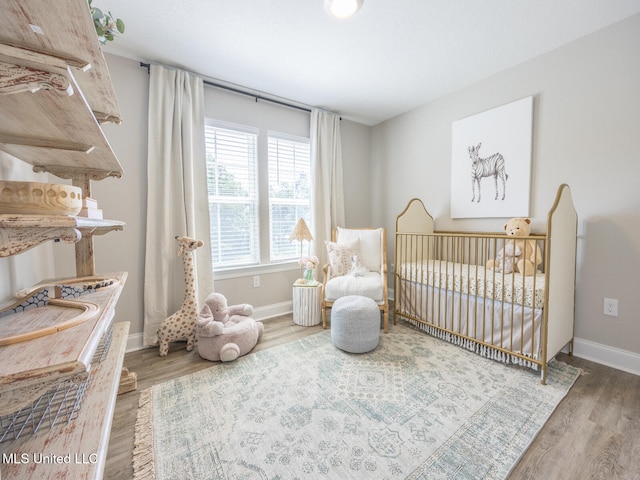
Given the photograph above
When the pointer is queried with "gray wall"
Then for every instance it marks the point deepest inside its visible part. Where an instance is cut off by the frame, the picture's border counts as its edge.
(34, 265)
(125, 198)
(586, 124)
(586, 133)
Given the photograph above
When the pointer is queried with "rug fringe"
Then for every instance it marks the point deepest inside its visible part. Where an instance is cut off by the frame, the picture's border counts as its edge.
(143, 465)
(482, 350)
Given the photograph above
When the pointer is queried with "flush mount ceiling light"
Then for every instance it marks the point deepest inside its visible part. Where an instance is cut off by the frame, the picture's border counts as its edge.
(342, 8)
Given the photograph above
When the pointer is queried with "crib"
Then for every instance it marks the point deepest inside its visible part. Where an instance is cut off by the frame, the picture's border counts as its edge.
(442, 286)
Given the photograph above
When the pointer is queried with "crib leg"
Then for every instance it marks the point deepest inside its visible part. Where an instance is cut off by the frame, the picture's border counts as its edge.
(571, 348)
(543, 375)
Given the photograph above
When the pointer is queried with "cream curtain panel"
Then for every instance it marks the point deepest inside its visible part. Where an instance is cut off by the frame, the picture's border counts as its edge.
(328, 188)
(177, 198)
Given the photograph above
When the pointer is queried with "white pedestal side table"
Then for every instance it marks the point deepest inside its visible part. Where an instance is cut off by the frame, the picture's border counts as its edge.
(307, 302)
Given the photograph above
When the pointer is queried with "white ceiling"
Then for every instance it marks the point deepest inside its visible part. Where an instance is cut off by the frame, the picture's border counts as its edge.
(393, 56)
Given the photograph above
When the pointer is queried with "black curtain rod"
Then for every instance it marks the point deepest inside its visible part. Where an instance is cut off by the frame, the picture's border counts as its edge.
(242, 92)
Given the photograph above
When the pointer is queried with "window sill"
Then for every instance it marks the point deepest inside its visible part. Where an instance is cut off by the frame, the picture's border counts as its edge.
(239, 272)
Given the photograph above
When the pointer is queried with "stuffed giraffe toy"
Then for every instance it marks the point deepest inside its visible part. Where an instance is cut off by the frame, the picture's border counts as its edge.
(181, 325)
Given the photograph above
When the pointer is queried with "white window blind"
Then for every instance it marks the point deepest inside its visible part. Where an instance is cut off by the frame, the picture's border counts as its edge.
(232, 173)
(289, 162)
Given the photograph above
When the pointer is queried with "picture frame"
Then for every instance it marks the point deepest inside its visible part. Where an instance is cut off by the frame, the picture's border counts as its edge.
(491, 162)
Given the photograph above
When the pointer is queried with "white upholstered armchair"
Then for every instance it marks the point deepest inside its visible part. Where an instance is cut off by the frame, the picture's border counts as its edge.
(370, 280)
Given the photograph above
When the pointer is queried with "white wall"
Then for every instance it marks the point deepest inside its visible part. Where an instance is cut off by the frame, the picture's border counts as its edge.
(586, 133)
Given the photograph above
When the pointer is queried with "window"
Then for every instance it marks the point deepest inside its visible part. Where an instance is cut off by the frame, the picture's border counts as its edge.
(232, 165)
(289, 192)
(243, 182)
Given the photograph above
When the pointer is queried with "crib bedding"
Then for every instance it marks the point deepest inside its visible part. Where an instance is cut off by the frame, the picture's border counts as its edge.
(508, 326)
(477, 280)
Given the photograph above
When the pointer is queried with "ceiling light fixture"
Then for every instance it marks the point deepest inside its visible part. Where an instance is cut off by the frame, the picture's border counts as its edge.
(342, 8)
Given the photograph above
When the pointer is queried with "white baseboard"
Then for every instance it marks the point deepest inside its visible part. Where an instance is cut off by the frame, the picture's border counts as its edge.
(135, 340)
(606, 355)
(275, 310)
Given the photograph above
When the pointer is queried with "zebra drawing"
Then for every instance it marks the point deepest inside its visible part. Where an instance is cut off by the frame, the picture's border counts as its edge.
(492, 166)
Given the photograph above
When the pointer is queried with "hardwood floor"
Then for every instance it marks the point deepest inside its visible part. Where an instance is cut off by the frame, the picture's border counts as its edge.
(593, 434)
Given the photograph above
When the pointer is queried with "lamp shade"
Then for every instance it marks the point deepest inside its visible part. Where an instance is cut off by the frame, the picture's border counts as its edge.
(301, 231)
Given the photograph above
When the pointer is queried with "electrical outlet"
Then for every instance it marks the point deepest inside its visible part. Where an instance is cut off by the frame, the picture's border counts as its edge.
(256, 281)
(611, 307)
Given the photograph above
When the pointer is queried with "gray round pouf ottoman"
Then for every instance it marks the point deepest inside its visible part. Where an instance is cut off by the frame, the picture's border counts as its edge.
(355, 324)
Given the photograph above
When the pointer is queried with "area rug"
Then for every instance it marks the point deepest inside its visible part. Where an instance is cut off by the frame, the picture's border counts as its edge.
(414, 408)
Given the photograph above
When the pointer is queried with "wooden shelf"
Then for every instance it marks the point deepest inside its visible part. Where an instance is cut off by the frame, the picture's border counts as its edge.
(28, 369)
(55, 88)
(59, 37)
(86, 452)
(56, 133)
(19, 233)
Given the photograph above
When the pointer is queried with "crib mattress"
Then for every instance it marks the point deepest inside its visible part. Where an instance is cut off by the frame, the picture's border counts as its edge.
(478, 281)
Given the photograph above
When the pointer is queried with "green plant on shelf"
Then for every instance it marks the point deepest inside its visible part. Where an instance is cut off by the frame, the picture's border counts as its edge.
(106, 25)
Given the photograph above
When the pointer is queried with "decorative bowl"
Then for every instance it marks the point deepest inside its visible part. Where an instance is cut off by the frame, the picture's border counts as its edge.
(34, 198)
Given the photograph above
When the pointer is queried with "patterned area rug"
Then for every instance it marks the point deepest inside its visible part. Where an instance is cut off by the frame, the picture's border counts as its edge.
(416, 407)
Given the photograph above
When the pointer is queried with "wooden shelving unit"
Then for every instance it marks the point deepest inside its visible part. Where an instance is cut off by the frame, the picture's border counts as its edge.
(55, 91)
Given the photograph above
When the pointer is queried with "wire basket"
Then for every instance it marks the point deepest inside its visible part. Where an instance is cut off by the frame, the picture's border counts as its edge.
(103, 347)
(56, 406)
(59, 405)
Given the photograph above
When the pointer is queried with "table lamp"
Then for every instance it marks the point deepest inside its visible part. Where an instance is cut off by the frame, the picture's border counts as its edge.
(300, 233)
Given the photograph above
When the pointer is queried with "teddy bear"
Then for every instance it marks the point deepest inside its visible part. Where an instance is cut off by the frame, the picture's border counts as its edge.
(222, 333)
(522, 256)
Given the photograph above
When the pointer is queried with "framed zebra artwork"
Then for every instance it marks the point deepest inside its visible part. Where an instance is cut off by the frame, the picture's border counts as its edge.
(491, 162)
